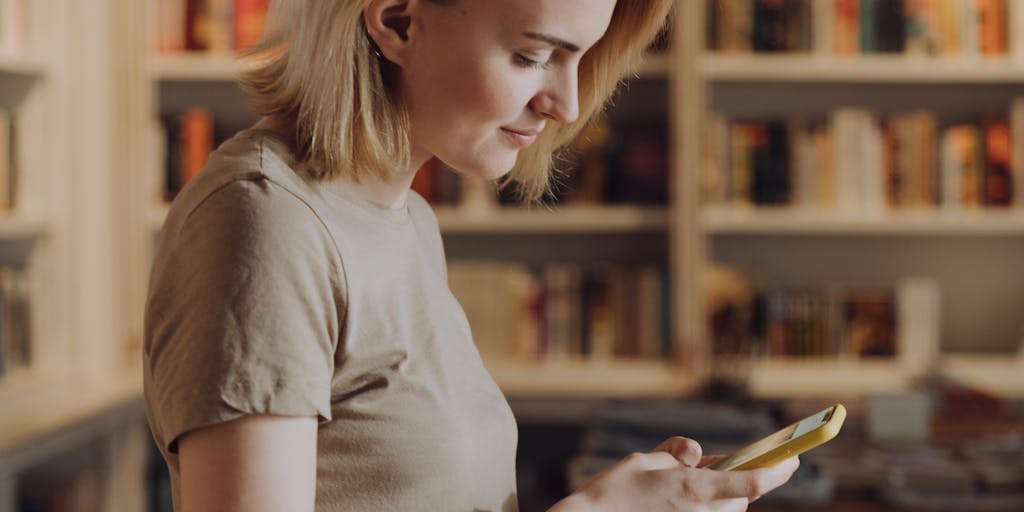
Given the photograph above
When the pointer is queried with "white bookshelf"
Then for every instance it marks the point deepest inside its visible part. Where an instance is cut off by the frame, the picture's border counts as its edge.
(791, 221)
(612, 378)
(16, 228)
(27, 67)
(565, 220)
(838, 378)
(155, 217)
(71, 97)
(657, 65)
(790, 243)
(857, 69)
(195, 67)
(47, 408)
(1001, 376)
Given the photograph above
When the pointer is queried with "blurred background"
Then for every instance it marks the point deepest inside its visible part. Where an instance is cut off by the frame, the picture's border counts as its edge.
(792, 203)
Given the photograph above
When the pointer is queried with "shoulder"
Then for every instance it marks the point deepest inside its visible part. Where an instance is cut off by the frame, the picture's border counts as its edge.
(250, 185)
(421, 210)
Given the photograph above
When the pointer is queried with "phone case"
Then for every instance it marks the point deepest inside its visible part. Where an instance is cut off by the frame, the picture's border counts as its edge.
(777, 450)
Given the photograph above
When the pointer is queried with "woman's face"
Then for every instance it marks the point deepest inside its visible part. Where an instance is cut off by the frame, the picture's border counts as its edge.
(483, 77)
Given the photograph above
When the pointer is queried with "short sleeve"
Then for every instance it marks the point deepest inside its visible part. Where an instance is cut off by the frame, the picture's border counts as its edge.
(243, 313)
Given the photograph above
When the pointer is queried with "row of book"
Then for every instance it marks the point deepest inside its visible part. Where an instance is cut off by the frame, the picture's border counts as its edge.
(610, 163)
(564, 311)
(809, 322)
(8, 161)
(185, 143)
(850, 27)
(220, 27)
(15, 321)
(622, 164)
(859, 161)
(14, 23)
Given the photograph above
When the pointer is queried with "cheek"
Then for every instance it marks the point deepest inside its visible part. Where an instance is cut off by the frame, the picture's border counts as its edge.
(490, 98)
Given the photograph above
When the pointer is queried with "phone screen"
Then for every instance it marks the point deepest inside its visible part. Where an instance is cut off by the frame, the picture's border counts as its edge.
(779, 438)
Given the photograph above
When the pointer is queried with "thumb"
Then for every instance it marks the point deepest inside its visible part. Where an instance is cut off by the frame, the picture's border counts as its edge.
(685, 450)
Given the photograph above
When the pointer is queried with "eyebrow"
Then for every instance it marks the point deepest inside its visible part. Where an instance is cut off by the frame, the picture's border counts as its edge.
(553, 41)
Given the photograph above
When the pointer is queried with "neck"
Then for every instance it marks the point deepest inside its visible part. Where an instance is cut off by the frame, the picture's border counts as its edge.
(390, 194)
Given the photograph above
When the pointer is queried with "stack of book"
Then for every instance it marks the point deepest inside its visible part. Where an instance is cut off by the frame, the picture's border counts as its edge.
(859, 162)
(564, 311)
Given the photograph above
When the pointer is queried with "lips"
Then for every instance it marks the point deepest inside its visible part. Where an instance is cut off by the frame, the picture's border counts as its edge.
(520, 138)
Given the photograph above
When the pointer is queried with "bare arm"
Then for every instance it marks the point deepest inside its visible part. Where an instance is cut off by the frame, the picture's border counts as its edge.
(256, 463)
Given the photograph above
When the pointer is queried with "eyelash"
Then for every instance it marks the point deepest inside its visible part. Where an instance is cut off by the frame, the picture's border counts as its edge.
(526, 62)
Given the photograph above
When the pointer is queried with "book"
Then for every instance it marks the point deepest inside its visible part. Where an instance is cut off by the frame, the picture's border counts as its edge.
(198, 25)
(196, 141)
(249, 21)
(170, 26)
(998, 188)
(189, 140)
(14, 27)
(7, 162)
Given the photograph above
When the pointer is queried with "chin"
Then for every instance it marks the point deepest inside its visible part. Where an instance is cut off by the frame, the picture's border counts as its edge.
(489, 170)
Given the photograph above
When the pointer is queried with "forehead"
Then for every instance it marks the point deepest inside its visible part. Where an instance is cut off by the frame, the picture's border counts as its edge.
(581, 22)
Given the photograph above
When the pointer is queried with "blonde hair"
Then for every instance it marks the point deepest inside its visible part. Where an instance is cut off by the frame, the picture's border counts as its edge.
(351, 121)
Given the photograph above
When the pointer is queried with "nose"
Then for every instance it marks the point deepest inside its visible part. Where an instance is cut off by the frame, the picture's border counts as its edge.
(559, 99)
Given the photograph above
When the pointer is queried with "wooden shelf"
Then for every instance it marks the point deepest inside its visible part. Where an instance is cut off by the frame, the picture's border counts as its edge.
(457, 221)
(44, 409)
(655, 66)
(570, 219)
(591, 379)
(196, 67)
(788, 221)
(21, 228)
(22, 66)
(1000, 375)
(156, 215)
(872, 69)
(815, 378)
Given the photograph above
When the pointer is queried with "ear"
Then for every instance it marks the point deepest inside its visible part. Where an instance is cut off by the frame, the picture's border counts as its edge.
(387, 23)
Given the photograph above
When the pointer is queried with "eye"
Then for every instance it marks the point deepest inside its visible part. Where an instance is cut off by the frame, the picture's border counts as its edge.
(526, 62)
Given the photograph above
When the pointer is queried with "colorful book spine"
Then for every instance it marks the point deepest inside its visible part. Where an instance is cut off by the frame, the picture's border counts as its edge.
(861, 162)
(218, 27)
(250, 18)
(961, 28)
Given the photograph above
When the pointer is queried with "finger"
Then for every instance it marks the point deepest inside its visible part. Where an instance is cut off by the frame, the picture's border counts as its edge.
(752, 483)
(710, 459)
(686, 451)
(653, 461)
(794, 459)
(734, 505)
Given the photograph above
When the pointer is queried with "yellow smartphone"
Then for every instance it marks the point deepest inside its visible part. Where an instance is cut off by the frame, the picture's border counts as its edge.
(793, 440)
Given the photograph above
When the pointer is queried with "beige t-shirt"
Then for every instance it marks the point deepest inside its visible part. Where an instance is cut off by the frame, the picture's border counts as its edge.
(272, 294)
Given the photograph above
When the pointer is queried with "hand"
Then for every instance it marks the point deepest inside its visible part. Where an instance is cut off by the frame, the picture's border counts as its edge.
(673, 479)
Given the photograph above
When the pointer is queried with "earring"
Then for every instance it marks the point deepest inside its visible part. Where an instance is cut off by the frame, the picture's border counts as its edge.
(376, 50)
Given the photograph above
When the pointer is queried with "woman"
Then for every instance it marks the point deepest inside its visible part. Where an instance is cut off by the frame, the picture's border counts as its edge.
(302, 348)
